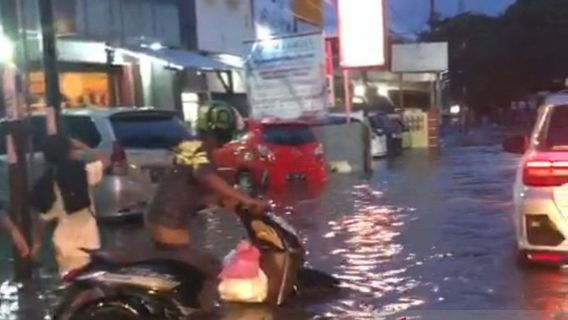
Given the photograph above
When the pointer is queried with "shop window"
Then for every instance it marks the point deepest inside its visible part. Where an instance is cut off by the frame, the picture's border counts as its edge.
(79, 89)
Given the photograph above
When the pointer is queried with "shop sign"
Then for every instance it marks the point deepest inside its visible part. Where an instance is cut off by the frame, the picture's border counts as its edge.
(286, 77)
(362, 33)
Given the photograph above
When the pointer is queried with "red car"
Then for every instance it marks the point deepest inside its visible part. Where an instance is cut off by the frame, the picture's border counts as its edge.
(275, 154)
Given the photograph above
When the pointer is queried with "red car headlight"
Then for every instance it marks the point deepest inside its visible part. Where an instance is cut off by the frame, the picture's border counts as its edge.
(319, 151)
(265, 153)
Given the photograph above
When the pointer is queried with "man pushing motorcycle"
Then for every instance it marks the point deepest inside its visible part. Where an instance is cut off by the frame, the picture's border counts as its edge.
(192, 184)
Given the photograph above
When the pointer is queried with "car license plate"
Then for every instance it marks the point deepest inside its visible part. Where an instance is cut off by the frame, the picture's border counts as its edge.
(296, 177)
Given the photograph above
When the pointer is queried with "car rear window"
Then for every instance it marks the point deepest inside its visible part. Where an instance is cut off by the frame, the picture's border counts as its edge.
(293, 135)
(149, 130)
(557, 133)
(78, 127)
(82, 128)
(385, 123)
(339, 120)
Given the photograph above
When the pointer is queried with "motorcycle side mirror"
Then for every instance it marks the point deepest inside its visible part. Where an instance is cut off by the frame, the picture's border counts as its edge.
(516, 144)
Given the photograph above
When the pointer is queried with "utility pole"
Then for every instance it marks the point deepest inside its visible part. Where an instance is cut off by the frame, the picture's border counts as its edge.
(433, 15)
(16, 133)
(461, 7)
(51, 72)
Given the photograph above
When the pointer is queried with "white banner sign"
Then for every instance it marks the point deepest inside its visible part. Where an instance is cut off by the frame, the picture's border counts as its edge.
(286, 77)
(273, 17)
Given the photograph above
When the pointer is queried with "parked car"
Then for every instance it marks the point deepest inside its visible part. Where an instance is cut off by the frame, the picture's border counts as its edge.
(378, 137)
(393, 130)
(138, 142)
(278, 153)
(406, 135)
(541, 185)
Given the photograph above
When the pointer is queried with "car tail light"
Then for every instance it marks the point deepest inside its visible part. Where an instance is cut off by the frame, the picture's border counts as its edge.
(546, 257)
(544, 173)
(118, 159)
(265, 153)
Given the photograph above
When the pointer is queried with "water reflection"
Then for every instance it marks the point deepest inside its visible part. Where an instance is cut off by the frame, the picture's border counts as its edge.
(9, 297)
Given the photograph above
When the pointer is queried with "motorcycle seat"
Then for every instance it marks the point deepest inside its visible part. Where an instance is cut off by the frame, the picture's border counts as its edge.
(116, 257)
(207, 264)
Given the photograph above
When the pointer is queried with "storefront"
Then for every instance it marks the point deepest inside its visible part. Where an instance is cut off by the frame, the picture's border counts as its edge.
(86, 78)
(172, 79)
(78, 89)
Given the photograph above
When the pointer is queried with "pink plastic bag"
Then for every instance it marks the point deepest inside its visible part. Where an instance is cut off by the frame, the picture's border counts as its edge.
(243, 264)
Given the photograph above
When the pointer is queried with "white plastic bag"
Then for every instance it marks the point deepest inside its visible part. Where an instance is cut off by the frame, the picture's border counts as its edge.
(252, 290)
(242, 279)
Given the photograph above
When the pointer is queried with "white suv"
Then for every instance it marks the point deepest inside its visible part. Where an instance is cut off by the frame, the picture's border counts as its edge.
(541, 186)
(138, 141)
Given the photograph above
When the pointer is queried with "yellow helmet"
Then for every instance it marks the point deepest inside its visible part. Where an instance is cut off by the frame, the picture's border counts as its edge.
(215, 116)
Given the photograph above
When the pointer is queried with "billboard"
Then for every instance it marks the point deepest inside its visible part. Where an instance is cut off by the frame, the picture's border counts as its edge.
(231, 21)
(286, 77)
(273, 18)
(362, 33)
(420, 57)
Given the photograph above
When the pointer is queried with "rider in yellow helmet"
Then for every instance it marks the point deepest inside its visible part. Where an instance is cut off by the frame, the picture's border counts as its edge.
(192, 182)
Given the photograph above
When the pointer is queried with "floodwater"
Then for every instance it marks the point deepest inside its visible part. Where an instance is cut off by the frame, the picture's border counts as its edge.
(430, 236)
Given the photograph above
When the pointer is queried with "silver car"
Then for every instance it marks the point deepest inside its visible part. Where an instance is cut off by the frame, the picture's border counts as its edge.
(138, 141)
(541, 186)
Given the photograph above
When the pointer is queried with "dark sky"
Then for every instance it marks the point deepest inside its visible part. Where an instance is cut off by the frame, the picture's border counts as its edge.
(410, 16)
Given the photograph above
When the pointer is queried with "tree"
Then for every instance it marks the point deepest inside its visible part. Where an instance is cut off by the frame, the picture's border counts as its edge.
(473, 57)
(495, 60)
(534, 32)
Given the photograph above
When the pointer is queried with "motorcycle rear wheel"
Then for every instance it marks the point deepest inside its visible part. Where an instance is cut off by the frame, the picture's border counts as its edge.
(111, 310)
(92, 304)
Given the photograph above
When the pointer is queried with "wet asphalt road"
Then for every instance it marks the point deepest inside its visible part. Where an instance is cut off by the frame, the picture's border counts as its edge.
(428, 237)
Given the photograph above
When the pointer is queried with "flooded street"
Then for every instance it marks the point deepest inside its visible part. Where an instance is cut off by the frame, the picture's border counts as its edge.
(429, 236)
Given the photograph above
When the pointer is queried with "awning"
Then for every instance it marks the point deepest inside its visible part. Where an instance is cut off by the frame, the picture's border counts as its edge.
(179, 59)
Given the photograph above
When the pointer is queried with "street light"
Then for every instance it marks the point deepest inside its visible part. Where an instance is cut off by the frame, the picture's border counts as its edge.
(6, 49)
(455, 109)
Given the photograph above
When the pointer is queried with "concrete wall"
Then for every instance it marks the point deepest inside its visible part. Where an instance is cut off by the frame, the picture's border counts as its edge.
(223, 25)
(162, 87)
(126, 21)
(346, 144)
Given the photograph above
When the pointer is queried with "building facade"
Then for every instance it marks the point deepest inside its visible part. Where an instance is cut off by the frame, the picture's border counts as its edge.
(170, 54)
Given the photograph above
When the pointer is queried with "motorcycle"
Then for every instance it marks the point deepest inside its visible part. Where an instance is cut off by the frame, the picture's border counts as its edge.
(173, 289)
